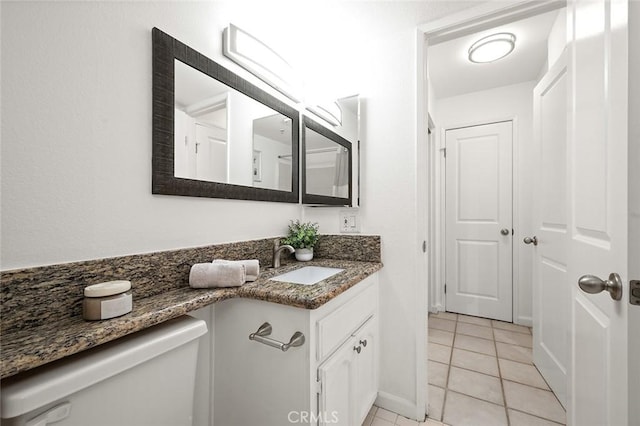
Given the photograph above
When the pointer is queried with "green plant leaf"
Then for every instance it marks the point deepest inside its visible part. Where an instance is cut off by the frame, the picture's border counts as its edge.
(302, 235)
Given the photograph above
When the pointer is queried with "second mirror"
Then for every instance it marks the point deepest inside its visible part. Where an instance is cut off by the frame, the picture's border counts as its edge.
(326, 166)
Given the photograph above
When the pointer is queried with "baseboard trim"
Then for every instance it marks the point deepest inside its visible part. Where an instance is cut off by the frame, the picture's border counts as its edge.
(439, 307)
(528, 321)
(398, 405)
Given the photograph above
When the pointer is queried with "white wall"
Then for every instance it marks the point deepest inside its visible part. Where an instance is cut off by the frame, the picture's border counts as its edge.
(241, 111)
(271, 149)
(436, 207)
(76, 136)
(76, 132)
(498, 104)
(557, 40)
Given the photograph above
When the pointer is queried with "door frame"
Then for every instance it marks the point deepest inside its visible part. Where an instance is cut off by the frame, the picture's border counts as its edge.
(440, 255)
(470, 20)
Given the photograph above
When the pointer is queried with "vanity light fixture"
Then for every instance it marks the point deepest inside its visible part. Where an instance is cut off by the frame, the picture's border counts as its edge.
(492, 48)
(260, 60)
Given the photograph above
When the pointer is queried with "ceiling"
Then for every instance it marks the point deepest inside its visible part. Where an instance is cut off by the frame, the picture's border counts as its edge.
(452, 74)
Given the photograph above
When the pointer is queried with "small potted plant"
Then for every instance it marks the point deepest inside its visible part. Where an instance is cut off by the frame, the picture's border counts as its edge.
(302, 237)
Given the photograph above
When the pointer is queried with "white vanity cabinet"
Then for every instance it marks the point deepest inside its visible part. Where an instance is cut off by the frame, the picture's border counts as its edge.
(349, 378)
(332, 379)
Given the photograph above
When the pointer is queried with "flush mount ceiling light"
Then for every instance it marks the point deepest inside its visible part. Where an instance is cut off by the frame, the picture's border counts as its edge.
(492, 48)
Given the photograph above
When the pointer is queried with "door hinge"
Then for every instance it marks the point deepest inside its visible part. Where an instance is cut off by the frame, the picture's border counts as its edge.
(445, 288)
(634, 292)
(319, 387)
(444, 152)
(424, 246)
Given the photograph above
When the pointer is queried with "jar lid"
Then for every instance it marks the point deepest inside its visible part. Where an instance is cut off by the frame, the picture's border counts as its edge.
(107, 289)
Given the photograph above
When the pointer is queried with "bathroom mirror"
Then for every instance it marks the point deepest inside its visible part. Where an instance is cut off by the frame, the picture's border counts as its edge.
(350, 130)
(217, 135)
(326, 166)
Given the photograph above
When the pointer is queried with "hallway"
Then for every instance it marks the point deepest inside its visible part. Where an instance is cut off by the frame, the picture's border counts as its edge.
(481, 372)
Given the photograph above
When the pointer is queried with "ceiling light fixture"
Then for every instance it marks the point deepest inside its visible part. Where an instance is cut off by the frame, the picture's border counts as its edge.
(492, 48)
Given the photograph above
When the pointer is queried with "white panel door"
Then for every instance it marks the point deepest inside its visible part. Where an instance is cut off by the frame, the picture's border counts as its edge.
(211, 153)
(479, 221)
(598, 219)
(551, 288)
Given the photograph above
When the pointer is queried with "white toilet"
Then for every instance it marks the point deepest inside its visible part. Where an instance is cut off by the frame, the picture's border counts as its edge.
(146, 378)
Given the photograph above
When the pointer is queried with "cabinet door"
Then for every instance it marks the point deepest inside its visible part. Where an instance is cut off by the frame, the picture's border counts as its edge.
(337, 375)
(366, 369)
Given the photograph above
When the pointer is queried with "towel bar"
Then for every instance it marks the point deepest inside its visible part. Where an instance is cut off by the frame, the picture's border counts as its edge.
(265, 330)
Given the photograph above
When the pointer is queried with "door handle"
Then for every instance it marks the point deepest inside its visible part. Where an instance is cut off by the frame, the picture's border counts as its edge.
(504, 231)
(531, 240)
(593, 285)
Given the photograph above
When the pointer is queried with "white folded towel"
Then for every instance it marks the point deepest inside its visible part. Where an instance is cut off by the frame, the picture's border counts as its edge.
(251, 266)
(211, 275)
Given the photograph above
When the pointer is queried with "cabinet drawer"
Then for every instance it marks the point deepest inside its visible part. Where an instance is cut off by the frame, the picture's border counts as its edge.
(336, 327)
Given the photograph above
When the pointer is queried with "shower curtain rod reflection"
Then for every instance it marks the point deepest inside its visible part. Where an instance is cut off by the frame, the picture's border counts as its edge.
(318, 151)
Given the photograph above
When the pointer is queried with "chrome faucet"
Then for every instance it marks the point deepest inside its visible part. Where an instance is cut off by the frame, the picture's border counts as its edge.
(277, 251)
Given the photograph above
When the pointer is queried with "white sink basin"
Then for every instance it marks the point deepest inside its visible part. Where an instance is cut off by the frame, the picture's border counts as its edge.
(308, 275)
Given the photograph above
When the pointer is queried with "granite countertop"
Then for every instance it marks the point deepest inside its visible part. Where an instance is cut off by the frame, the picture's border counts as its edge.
(33, 347)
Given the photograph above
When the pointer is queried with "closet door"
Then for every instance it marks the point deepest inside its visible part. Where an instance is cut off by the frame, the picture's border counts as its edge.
(479, 215)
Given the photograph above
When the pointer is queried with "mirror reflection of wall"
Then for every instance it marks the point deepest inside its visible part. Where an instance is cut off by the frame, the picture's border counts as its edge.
(350, 107)
(200, 126)
(272, 152)
(218, 130)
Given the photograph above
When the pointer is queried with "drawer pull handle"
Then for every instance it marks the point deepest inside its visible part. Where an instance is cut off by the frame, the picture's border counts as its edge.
(265, 330)
(363, 342)
(357, 349)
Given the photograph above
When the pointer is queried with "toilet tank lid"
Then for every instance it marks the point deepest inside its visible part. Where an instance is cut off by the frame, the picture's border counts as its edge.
(44, 385)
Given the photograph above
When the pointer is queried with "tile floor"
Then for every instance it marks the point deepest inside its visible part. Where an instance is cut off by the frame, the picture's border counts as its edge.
(480, 373)
(381, 417)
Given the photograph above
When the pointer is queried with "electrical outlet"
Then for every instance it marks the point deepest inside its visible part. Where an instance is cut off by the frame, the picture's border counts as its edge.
(349, 221)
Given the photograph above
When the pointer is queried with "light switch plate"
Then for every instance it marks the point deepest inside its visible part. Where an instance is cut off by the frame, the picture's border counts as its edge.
(349, 221)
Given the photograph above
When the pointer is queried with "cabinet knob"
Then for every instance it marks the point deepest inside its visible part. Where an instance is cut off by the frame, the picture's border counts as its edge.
(363, 342)
(357, 348)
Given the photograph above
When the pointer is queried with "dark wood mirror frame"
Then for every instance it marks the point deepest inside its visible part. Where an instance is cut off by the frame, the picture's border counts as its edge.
(308, 123)
(165, 50)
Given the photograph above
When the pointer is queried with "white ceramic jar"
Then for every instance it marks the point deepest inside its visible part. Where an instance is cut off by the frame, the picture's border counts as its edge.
(304, 254)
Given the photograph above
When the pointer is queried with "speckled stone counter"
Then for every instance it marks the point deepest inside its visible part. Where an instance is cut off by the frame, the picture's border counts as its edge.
(50, 336)
(30, 348)
(308, 296)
